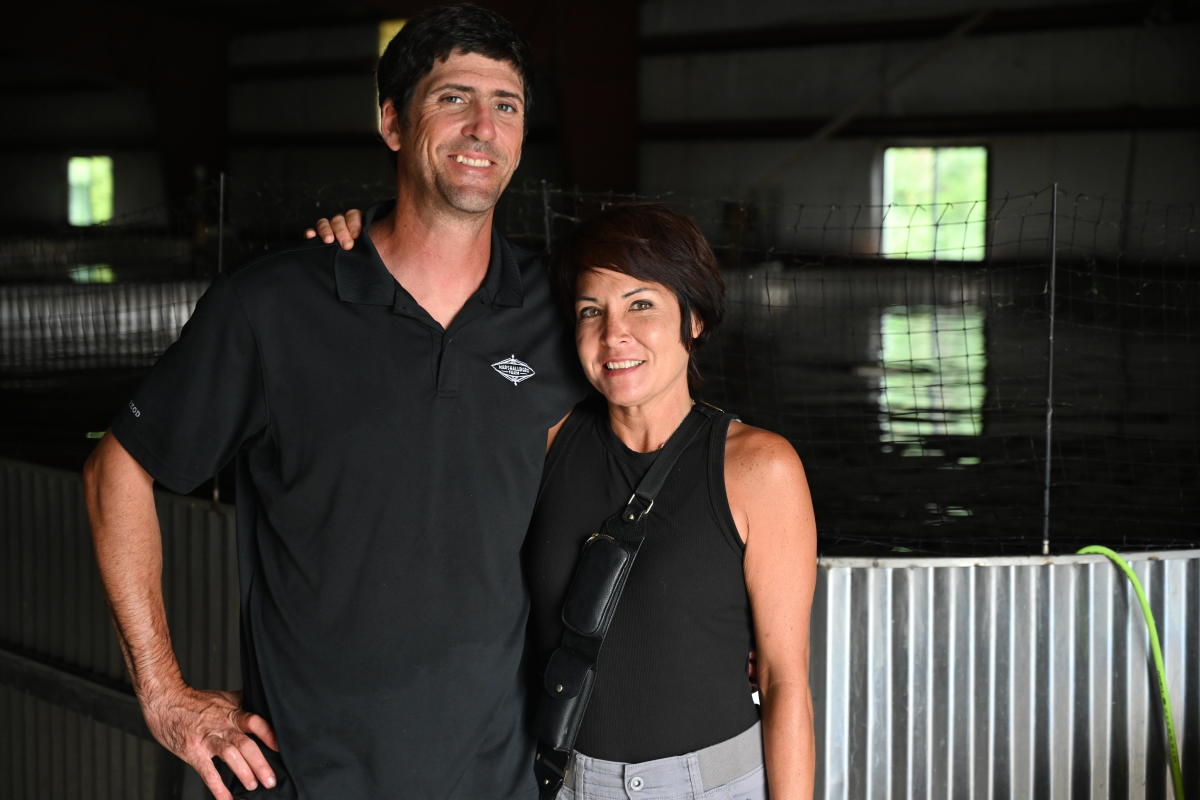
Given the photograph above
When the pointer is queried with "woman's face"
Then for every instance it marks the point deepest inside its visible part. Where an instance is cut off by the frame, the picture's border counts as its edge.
(627, 337)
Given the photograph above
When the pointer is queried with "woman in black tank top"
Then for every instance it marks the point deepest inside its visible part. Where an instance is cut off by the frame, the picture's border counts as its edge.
(729, 559)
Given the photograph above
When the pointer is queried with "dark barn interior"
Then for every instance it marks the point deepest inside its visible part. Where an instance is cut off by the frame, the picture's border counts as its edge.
(961, 241)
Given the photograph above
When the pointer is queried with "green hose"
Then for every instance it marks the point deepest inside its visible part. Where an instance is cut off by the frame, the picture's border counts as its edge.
(1123, 565)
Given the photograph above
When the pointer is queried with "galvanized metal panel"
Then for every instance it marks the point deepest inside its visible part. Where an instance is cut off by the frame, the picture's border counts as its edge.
(1002, 677)
(53, 752)
(54, 605)
(53, 610)
(47, 327)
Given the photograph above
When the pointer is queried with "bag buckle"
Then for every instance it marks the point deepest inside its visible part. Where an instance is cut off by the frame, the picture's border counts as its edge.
(631, 512)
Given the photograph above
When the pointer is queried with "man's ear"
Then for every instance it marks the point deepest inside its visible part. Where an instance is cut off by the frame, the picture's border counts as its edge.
(389, 125)
(697, 325)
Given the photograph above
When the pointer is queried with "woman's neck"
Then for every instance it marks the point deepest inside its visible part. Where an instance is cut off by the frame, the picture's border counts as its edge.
(646, 428)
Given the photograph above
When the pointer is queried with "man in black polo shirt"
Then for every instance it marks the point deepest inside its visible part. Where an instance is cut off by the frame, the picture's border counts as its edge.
(388, 409)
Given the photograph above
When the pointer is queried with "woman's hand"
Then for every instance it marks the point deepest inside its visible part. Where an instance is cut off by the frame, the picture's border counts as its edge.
(345, 228)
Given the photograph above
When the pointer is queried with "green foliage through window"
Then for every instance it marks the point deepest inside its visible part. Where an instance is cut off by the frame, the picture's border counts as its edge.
(935, 202)
(90, 190)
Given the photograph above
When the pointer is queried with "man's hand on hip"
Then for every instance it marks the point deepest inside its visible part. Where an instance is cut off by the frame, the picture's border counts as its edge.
(199, 725)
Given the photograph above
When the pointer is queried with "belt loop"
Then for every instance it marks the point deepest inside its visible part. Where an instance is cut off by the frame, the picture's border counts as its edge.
(693, 765)
(577, 771)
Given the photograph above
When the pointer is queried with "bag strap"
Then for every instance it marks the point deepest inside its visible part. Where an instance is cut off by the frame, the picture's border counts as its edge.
(642, 499)
(625, 526)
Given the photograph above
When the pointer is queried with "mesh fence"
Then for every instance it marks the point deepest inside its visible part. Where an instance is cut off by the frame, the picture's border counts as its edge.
(965, 378)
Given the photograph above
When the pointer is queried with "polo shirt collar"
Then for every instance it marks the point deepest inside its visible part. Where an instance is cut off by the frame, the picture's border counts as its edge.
(361, 276)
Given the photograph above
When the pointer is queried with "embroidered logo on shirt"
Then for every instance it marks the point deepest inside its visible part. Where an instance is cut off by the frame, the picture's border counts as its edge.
(134, 409)
(513, 369)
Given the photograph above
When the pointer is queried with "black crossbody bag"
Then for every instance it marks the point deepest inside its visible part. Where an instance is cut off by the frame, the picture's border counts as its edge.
(590, 602)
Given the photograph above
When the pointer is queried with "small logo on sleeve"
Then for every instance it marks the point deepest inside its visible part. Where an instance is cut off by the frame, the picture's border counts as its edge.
(134, 409)
(513, 369)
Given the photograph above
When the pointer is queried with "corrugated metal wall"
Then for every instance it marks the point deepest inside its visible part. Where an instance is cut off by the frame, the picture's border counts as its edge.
(52, 605)
(48, 327)
(1002, 677)
(69, 731)
(932, 678)
(55, 753)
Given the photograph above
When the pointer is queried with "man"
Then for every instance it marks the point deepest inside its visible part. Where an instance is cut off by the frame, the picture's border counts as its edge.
(388, 408)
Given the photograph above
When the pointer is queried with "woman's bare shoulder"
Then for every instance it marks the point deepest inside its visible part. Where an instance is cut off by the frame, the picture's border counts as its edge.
(764, 480)
(767, 492)
(756, 453)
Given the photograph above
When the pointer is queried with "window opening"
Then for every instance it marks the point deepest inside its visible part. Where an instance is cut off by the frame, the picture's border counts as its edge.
(90, 190)
(934, 203)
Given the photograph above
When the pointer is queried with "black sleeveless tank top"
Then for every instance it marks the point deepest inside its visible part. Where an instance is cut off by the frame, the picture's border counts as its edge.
(671, 678)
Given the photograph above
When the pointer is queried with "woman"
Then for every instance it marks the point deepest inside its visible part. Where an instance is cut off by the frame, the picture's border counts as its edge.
(728, 562)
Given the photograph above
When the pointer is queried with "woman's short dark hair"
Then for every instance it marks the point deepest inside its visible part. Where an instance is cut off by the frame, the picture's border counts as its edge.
(651, 242)
(436, 33)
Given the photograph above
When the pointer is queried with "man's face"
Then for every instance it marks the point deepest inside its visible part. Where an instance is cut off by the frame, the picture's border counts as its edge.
(460, 141)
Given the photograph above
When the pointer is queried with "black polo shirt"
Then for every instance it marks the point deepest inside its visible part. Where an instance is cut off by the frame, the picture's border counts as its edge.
(387, 470)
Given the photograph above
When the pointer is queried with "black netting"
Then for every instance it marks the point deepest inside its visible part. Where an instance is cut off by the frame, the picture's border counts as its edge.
(911, 353)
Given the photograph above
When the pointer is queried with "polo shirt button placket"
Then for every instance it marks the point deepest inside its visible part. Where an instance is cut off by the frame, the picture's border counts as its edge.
(447, 374)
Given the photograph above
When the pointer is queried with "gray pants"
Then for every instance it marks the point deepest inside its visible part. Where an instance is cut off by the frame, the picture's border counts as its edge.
(730, 770)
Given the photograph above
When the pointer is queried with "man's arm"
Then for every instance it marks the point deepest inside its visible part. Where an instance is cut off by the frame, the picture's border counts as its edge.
(195, 725)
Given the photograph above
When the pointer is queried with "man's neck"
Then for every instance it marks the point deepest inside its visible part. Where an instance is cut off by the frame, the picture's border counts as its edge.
(439, 259)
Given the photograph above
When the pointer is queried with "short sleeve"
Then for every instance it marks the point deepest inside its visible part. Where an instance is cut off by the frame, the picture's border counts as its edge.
(204, 398)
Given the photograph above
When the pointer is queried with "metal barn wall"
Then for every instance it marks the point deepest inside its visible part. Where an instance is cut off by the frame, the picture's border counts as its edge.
(70, 727)
(52, 605)
(56, 752)
(932, 678)
(732, 97)
(47, 327)
(1002, 677)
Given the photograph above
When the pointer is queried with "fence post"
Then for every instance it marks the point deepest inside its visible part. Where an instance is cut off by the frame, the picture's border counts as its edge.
(221, 223)
(546, 220)
(1050, 367)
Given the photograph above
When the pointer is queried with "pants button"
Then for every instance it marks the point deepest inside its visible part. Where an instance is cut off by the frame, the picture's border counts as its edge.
(636, 783)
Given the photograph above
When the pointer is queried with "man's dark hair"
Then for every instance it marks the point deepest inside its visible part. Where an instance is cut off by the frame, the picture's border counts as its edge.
(652, 243)
(436, 33)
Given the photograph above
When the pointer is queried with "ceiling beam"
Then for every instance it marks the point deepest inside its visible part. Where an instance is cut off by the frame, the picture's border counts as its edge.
(999, 21)
(931, 125)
